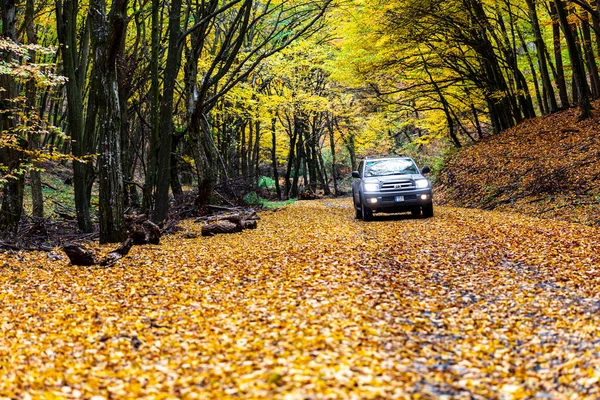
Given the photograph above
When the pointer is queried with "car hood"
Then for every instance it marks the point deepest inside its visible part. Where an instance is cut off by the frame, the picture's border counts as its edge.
(392, 178)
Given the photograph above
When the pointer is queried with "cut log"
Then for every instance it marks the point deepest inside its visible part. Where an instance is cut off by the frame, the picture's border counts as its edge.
(79, 255)
(248, 224)
(220, 227)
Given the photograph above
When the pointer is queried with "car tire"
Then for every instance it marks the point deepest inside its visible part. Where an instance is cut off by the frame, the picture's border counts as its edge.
(428, 210)
(367, 213)
(357, 212)
(357, 209)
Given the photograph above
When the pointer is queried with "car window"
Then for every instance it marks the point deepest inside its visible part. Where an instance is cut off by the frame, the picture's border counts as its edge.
(390, 167)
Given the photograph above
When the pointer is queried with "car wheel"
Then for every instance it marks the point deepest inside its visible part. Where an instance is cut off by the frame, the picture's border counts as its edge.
(357, 208)
(428, 210)
(416, 212)
(357, 212)
(367, 213)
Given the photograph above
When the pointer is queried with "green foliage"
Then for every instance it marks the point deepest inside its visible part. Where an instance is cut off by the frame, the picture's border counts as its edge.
(266, 182)
(254, 199)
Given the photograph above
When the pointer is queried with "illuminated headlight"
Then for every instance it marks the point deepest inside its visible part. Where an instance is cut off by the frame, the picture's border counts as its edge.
(421, 183)
(424, 196)
(373, 200)
(371, 187)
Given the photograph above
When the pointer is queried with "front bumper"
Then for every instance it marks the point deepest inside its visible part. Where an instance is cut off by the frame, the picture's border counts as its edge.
(397, 201)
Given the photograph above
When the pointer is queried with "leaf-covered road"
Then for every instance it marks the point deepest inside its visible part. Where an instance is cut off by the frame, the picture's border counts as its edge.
(314, 304)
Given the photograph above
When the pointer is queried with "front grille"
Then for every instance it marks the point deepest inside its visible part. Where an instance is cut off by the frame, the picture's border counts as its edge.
(398, 185)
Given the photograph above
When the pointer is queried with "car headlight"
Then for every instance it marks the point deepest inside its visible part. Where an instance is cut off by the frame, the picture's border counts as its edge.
(371, 187)
(421, 183)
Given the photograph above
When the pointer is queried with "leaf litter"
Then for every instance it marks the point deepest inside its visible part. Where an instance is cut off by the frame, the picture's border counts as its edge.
(314, 304)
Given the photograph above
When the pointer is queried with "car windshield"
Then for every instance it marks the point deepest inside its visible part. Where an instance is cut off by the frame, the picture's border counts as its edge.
(390, 167)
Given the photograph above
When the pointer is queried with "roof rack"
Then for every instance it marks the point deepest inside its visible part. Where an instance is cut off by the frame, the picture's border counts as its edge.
(375, 156)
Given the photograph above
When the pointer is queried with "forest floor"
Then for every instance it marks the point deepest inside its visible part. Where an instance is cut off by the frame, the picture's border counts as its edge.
(314, 304)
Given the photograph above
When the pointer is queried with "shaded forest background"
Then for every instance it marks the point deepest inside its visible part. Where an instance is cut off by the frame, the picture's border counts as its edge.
(134, 101)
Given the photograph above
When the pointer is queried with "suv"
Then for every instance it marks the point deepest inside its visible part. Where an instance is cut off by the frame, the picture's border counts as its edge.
(391, 184)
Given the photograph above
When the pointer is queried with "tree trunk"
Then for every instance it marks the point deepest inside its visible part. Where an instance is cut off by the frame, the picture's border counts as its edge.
(580, 81)
(67, 35)
(12, 199)
(290, 160)
(151, 170)
(274, 157)
(256, 153)
(204, 157)
(589, 56)
(548, 90)
(106, 44)
(330, 124)
(37, 198)
(161, 199)
(541, 96)
(560, 72)
(175, 182)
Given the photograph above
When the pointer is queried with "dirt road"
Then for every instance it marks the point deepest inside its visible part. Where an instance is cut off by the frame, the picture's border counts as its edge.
(314, 304)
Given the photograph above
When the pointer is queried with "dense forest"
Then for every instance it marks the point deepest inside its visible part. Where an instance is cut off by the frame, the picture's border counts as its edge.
(145, 99)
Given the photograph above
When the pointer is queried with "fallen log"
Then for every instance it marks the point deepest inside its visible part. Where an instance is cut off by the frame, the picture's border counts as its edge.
(118, 253)
(231, 221)
(141, 231)
(79, 255)
(220, 227)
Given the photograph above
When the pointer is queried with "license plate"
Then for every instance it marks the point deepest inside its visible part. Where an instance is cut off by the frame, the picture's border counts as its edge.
(399, 198)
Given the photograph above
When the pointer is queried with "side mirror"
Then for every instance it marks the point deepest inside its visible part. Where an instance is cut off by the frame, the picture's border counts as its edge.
(355, 174)
(425, 170)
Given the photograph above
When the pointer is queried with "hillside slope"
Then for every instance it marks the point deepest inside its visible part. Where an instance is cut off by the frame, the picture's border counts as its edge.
(546, 167)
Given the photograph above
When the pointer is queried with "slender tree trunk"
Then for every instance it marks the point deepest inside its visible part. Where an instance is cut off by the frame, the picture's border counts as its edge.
(589, 56)
(560, 73)
(74, 71)
(585, 106)
(274, 156)
(596, 25)
(175, 183)
(161, 200)
(152, 169)
(256, 153)
(541, 96)
(205, 158)
(548, 90)
(37, 198)
(330, 125)
(322, 173)
(290, 160)
(445, 105)
(244, 152)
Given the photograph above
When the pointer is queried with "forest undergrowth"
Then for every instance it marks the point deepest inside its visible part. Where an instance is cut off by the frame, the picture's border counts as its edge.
(314, 304)
(547, 166)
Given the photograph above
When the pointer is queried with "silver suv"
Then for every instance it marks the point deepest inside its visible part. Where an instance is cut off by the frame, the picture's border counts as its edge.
(391, 184)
